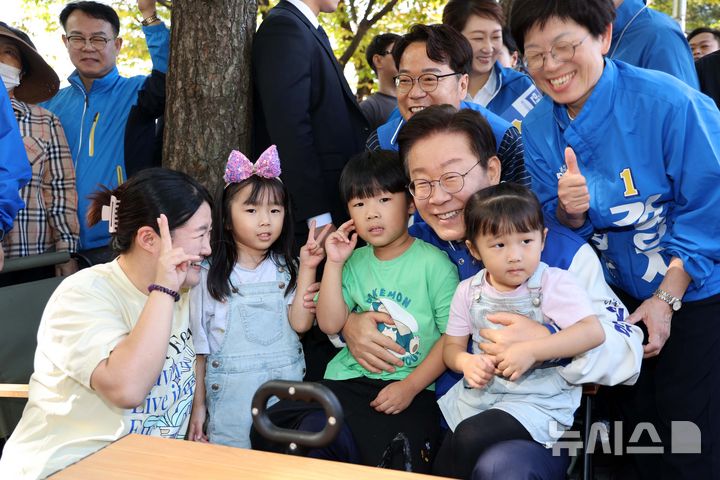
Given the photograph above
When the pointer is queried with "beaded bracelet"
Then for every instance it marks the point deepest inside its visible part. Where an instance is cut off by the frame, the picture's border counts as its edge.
(162, 289)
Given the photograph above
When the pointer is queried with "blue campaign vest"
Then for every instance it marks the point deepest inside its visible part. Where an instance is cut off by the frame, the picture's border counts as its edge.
(387, 133)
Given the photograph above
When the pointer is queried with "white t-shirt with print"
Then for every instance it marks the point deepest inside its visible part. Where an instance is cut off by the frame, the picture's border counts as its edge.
(65, 420)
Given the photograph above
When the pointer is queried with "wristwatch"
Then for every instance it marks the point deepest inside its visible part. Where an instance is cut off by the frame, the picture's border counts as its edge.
(2, 234)
(674, 302)
(149, 20)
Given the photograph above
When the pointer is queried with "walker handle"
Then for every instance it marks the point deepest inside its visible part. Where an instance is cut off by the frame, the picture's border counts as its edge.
(308, 392)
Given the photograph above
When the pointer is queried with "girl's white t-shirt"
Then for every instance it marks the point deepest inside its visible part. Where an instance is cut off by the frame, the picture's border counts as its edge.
(209, 318)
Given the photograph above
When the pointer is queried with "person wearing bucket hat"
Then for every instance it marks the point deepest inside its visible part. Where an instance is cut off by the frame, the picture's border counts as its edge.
(94, 109)
(49, 219)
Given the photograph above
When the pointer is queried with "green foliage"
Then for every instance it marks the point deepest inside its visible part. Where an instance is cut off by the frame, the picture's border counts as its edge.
(344, 24)
(704, 13)
(134, 52)
(350, 28)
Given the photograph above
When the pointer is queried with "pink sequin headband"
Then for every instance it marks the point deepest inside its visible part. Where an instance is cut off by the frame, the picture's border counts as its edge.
(240, 168)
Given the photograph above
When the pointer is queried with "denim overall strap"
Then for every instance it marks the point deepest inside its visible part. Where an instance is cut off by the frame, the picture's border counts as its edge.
(259, 345)
(538, 397)
(534, 284)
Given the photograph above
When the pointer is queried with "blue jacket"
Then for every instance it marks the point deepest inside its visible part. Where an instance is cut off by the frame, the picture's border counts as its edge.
(647, 38)
(388, 132)
(561, 246)
(649, 148)
(94, 123)
(508, 142)
(14, 165)
(563, 249)
(516, 95)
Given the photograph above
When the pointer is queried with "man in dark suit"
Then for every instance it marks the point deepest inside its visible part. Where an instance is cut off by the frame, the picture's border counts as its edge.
(303, 104)
(708, 70)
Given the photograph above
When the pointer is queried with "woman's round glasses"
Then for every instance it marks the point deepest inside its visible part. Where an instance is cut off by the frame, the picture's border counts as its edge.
(561, 52)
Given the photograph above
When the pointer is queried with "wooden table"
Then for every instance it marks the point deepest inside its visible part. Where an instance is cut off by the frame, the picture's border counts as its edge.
(144, 457)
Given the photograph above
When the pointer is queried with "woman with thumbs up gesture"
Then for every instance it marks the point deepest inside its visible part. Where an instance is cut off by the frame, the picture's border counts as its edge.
(630, 159)
(573, 196)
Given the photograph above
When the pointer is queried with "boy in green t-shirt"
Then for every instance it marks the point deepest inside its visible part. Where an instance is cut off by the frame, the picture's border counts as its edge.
(410, 280)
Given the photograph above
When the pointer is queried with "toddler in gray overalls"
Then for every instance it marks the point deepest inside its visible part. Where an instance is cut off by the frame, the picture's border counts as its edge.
(539, 396)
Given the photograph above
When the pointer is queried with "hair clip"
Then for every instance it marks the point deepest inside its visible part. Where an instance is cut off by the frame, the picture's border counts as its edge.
(240, 168)
(109, 213)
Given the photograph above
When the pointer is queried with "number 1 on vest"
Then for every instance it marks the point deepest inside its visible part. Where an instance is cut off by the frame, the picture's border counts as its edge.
(630, 190)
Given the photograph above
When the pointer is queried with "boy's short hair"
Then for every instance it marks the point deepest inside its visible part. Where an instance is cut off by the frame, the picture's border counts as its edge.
(378, 46)
(369, 173)
(443, 44)
(446, 119)
(96, 10)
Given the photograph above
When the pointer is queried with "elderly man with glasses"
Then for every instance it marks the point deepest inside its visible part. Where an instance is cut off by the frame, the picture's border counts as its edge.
(95, 108)
(433, 63)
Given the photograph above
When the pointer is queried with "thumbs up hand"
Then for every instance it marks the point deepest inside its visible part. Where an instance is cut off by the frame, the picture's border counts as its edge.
(573, 194)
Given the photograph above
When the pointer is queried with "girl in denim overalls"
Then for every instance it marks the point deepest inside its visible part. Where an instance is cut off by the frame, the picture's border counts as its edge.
(503, 397)
(244, 321)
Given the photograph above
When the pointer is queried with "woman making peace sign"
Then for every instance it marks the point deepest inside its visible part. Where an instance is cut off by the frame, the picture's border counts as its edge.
(114, 353)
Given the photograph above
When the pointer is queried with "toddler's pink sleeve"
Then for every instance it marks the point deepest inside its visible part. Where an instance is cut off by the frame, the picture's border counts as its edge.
(459, 323)
(564, 301)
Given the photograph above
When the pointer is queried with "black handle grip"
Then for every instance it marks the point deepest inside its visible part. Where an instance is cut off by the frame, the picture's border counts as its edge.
(308, 392)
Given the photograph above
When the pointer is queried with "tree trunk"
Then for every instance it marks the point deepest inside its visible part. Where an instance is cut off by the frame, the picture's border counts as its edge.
(208, 109)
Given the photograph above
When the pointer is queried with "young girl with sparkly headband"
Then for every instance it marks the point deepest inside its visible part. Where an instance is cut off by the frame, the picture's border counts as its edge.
(244, 319)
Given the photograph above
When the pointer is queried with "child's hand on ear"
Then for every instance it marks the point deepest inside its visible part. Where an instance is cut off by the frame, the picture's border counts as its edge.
(515, 360)
(341, 243)
(312, 253)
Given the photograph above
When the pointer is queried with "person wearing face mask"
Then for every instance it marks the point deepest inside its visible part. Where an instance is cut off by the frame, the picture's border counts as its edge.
(49, 220)
(503, 91)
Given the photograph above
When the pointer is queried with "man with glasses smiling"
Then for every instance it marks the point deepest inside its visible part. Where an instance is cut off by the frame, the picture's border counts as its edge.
(94, 109)
(433, 63)
(442, 150)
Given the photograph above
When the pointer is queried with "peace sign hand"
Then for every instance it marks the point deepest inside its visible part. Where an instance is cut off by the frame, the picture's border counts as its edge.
(341, 243)
(173, 263)
(312, 253)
